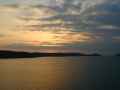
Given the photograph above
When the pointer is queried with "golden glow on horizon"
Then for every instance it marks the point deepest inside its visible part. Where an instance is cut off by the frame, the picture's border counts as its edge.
(48, 38)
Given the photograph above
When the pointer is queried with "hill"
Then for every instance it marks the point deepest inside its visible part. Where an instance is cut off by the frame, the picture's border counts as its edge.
(17, 54)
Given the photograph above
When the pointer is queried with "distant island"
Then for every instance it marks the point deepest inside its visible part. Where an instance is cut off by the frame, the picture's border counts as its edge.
(20, 54)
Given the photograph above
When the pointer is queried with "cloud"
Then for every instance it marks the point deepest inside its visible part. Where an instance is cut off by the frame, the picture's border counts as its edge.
(116, 39)
(61, 38)
(9, 8)
(66, 10)
(74, 15)
(2, 35)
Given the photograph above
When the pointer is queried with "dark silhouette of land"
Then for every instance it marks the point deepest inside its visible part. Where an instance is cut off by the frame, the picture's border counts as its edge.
(17, 54)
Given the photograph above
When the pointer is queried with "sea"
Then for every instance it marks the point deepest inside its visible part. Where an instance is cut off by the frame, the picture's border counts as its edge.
(61, 73)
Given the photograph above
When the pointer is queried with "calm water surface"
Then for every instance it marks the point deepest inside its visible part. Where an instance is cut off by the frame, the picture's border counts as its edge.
(60, 73)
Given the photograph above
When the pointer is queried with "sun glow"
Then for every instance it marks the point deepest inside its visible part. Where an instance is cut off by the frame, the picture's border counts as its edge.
(61, 38)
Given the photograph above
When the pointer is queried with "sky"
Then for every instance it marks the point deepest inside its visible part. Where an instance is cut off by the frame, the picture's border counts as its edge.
(89, 26)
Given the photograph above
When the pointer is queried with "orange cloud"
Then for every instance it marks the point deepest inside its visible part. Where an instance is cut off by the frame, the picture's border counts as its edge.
(61, 38)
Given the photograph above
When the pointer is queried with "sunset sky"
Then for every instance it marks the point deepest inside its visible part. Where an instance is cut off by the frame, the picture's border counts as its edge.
(90, 26)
